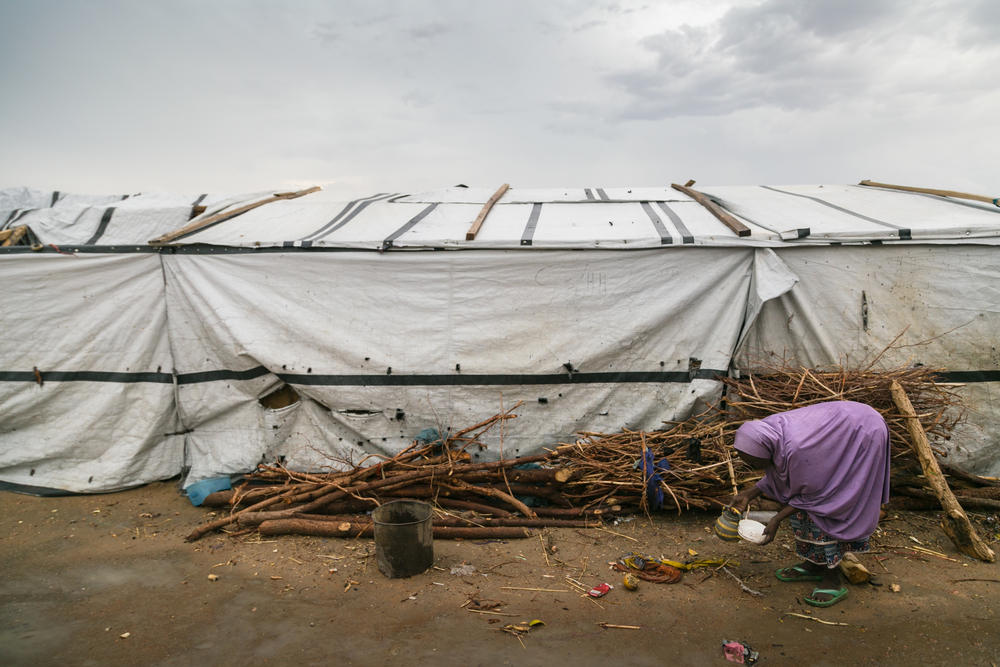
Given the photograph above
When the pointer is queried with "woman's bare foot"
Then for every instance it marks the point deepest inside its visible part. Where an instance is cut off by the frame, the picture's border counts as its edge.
(831, 581)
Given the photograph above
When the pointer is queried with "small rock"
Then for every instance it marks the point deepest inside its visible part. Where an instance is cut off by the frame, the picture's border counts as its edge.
(213, 577)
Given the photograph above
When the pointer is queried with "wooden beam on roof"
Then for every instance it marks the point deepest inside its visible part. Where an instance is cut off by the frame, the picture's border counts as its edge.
(735, 225)
(474, 229)
(225, 215)
(928, 191)
(12, 236)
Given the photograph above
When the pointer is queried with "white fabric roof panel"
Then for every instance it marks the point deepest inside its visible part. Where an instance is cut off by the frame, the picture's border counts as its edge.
(384, 220)
(850, 213)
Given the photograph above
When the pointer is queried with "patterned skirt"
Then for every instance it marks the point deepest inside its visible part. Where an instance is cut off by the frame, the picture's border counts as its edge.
(815, 546)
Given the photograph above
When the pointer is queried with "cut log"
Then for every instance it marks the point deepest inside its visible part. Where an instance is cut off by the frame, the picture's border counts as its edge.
(965, 476)
(15, 236)
(855, 572)
(967, 502)
(956, 524)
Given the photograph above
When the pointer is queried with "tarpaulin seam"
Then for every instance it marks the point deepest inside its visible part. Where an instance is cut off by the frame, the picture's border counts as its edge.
(55, 198)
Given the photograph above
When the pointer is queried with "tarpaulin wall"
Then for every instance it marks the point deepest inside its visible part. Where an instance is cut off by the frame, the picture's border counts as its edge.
(851, 302)
(86, 389)
(380, 346)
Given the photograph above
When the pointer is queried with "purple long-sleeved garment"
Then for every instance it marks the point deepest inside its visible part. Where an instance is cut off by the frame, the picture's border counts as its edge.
(830, 459)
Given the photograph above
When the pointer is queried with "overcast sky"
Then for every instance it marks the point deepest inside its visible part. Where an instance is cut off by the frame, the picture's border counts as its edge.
(204, 96)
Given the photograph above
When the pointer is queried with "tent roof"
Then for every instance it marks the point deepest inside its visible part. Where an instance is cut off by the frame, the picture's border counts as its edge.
(612, 218)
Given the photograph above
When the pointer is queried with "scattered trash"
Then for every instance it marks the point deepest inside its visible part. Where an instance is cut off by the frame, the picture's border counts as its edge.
(463, 570)
(213, 577)
(649, 569)
(630, 582)
(126, 635)
(739, 652)
(519, 629)
(895, 588)
(600, 590)
(620, 627)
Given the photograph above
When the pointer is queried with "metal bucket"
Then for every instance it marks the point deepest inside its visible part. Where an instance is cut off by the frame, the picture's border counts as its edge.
(404, 539)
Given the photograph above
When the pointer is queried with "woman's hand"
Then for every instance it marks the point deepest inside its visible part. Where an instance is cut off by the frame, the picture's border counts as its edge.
(742, 499)
(771, 529)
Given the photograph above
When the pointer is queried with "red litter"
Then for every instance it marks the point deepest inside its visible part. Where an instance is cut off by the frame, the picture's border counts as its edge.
(599, 590)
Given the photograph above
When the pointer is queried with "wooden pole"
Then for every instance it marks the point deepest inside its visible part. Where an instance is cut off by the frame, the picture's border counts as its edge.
(735, 225)
(199, 224)
(956, 524)
(929, 191)
(15, 235)
(474, 229)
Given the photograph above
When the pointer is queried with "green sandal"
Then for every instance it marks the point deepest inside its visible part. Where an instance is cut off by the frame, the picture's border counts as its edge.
(837, 597)
(805, 575)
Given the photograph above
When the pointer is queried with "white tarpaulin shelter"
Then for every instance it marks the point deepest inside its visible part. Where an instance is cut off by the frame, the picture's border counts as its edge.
(125, 362)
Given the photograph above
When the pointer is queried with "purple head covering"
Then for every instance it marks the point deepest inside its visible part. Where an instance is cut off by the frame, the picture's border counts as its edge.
(830, 460)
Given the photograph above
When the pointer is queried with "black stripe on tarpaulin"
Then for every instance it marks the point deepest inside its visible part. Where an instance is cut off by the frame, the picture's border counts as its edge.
(968, 377)
(216, 376)
(529, 229)
(38, 491)
(665, 237)
(11, 216)
(590, 195)
(408, 226)
(903, 232)
(22, 212)
(353, 214)
(340, 215)
(686, 235)
(633, 377)
(86, 376)
(101, 228)
(55, 198)
(199, 199)
(603, 195)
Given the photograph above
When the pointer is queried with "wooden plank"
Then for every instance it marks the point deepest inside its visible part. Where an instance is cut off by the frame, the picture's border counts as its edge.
(929, 191)
(956, 524)
(14, 236)
(199, 224)
(735, 225)
(5, 234)
(474, 229)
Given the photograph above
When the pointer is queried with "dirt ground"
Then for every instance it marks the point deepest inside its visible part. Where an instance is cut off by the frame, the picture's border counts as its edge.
(109, 580)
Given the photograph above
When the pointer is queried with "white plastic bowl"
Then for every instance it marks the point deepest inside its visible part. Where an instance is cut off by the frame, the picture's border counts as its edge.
(751, 531)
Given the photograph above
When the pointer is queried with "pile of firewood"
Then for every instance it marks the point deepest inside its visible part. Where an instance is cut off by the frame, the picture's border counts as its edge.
(598, 475)
(472, 500)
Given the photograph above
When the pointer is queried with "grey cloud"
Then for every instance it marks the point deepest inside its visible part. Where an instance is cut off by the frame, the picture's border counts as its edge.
(428, 30)
(791, 54)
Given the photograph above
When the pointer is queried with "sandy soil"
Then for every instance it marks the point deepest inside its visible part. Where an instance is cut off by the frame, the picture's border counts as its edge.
(79, 573)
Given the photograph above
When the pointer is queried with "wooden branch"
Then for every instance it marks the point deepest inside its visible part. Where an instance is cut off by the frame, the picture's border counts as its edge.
(492, 493)
(14, 235)
(956, 525)
(928, 191)
(735, 225)
(965, 476)
(474, 229)
(330, 529)
(225, 215)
